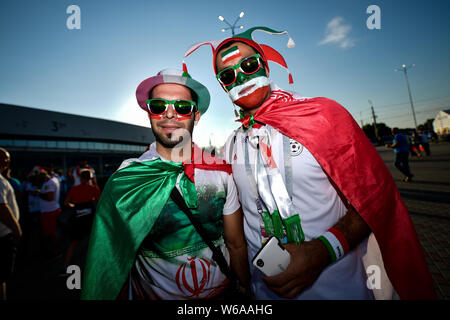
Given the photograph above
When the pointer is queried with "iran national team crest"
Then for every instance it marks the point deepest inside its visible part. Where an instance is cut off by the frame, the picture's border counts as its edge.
(193, 275)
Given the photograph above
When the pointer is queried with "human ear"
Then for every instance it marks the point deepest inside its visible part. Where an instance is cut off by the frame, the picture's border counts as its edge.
(197, 116)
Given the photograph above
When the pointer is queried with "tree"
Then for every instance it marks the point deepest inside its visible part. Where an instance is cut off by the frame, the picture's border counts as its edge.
(428, 125)
(369, 131)
(383, 130)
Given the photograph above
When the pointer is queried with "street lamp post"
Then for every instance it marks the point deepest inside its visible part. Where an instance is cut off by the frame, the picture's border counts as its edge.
(232, 26)
(374, 121)
(404, 68)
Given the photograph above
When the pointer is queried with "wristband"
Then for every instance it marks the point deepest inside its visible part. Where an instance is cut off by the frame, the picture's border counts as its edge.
(335, 242)
(342, 239)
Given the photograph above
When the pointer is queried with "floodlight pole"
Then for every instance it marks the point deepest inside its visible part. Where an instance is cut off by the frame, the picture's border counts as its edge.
(232, 26)
(404, 68)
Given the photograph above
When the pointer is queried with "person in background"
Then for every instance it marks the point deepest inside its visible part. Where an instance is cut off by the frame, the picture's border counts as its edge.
(424, 142)
(30, 186)
(416, 141)
(15, 184)
(410, 145)
(10, 230)
(30, 216)
(56, 174)
(82, 164)
(83, 200)
(50, 210)
(401, 149)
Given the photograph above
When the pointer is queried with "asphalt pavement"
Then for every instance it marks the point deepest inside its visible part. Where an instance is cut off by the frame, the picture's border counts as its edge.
(427, 198)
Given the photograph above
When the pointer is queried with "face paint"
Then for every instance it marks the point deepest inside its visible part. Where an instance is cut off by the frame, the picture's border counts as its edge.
(254, 84)
(253, 100)
(255, 81)
(241, 77)
(230, 54)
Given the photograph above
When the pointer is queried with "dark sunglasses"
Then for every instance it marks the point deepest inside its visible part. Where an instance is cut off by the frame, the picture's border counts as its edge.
(247, 65)
(159, 106)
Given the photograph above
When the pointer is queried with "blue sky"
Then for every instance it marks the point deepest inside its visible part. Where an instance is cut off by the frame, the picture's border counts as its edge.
(94, 71)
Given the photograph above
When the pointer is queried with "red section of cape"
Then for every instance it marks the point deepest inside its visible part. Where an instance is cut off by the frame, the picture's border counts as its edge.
(334, 138)
(206, 161)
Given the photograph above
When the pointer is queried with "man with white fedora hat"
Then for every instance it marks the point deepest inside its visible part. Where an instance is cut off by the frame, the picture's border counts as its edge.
(143, 244)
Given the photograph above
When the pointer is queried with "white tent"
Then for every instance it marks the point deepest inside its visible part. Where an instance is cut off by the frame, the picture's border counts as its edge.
(441, 123)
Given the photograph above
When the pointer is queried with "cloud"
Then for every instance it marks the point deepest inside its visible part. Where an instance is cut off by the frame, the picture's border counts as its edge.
(337, 33)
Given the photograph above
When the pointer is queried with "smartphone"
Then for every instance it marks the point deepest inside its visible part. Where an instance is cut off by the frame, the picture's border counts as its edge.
(272, 258)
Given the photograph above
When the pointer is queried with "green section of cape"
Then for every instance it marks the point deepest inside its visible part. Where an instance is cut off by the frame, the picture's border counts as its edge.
(130, 203)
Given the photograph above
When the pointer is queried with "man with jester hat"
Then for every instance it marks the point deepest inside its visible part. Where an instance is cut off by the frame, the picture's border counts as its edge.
(142, 245)
(307, 174)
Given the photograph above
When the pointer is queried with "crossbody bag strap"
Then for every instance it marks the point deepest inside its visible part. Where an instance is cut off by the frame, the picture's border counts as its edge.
(217, 253)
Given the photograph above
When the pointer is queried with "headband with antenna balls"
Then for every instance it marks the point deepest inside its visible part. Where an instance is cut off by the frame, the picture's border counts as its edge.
(267, 53)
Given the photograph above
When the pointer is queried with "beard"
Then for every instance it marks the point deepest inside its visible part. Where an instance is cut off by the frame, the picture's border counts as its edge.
(178, 138)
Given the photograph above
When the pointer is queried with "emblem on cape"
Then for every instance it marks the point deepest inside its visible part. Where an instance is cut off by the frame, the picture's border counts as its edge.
(281, 95)
(296, 147)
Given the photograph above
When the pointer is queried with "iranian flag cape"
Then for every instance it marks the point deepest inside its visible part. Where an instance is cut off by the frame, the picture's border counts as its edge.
(131, 202)
(334, 138)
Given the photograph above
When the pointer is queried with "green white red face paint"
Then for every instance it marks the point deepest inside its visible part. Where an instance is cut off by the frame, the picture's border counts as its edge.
(245, 84)
(230, 54)
(248, 87)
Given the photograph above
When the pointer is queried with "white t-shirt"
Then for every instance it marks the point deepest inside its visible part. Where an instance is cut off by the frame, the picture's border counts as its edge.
(319, 207)
(8, 197)
(174, 262)
(51, 185)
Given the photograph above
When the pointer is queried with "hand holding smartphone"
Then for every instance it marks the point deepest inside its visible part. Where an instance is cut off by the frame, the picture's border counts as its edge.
(273, 258)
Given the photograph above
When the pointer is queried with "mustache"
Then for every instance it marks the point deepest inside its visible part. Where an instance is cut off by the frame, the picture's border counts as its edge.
(169, 122)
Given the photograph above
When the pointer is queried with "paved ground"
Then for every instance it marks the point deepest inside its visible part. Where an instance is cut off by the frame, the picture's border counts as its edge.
(428, 202)
(427, 199)
(39, 278)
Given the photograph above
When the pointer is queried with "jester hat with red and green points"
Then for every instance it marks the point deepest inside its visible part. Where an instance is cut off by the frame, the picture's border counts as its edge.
(267, 53)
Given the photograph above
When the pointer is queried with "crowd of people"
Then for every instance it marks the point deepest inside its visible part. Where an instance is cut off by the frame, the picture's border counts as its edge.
(58, 209)
(418, 143)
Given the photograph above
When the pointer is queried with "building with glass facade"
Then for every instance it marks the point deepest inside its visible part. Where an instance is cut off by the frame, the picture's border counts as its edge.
(47, 138)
